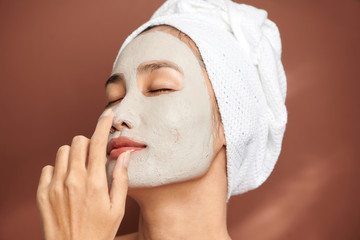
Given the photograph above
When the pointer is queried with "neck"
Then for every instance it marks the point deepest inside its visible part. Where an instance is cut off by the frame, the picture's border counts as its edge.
(194, 209)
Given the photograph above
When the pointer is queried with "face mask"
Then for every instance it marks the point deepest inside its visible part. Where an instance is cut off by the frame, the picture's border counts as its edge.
(177, 127)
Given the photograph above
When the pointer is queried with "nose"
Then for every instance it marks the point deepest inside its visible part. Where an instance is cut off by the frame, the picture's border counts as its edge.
(120, 126)
(127, 113)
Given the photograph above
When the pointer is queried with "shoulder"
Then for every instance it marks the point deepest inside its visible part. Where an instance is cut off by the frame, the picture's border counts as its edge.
(131, 236)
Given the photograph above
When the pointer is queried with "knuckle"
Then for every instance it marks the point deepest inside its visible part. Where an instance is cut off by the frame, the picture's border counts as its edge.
(56, 189)
(72, 183)
(55, 192)
(41, 196)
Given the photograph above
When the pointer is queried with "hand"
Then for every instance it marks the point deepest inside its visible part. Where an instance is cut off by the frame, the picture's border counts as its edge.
(73, 197)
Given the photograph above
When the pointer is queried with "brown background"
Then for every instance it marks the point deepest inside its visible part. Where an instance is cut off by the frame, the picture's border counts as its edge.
(56, 55)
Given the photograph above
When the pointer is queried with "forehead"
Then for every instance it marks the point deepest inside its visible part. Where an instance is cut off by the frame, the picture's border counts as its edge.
(155, 45)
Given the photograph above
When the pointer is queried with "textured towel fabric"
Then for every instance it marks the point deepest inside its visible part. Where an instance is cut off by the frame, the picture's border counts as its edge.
(241, 50)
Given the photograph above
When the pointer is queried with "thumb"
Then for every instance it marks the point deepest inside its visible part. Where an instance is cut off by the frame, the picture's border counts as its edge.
(120, 182)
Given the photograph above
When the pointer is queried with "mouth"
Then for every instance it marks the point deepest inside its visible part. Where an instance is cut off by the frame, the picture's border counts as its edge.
(117, 146)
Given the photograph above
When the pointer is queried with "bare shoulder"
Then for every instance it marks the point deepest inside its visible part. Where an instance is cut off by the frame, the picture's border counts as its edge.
(130, 236)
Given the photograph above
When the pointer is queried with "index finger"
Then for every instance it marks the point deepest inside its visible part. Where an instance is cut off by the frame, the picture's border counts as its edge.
(98, 142)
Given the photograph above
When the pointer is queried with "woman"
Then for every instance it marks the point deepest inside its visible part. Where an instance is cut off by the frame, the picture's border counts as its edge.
(197, 100)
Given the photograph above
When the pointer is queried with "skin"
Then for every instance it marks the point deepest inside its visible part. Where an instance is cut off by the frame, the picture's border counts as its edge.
(191, 209)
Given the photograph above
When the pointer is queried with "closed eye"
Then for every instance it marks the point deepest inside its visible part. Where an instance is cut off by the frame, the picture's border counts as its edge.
(160, 90)
(111, 102)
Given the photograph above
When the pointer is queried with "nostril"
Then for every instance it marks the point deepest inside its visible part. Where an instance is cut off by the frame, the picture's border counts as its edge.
(119, 126)
(124, 124)
(113, 129)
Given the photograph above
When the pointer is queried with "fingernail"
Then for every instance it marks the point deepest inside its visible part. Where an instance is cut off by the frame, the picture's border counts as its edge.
(126, 158)
(108, 112)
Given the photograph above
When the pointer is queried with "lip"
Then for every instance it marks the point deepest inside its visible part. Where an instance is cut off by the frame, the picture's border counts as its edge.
(116, 146)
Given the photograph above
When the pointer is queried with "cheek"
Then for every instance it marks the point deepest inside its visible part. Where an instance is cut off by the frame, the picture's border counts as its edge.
(175, 111)
(179, 118)
(167, 121)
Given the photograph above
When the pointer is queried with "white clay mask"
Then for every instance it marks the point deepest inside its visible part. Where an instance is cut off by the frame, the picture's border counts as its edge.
(176, 125)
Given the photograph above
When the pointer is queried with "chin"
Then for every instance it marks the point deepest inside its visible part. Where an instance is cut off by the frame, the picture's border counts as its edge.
(145, 172)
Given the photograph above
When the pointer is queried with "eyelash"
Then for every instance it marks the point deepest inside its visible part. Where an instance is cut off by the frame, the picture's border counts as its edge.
(160, 90)
(109, 103)
(151, 91)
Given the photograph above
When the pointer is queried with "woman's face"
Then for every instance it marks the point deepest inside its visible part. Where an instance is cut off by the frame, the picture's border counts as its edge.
(160, 99)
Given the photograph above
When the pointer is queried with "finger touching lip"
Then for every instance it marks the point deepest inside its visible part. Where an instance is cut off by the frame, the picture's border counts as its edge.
(116, 146)
(115, 153)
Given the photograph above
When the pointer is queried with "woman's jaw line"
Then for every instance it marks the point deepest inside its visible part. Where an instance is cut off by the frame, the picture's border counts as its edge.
(193, 188)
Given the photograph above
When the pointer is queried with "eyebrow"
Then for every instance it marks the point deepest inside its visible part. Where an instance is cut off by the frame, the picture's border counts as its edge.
(149, 67)
(145, 67)
(117, 77)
